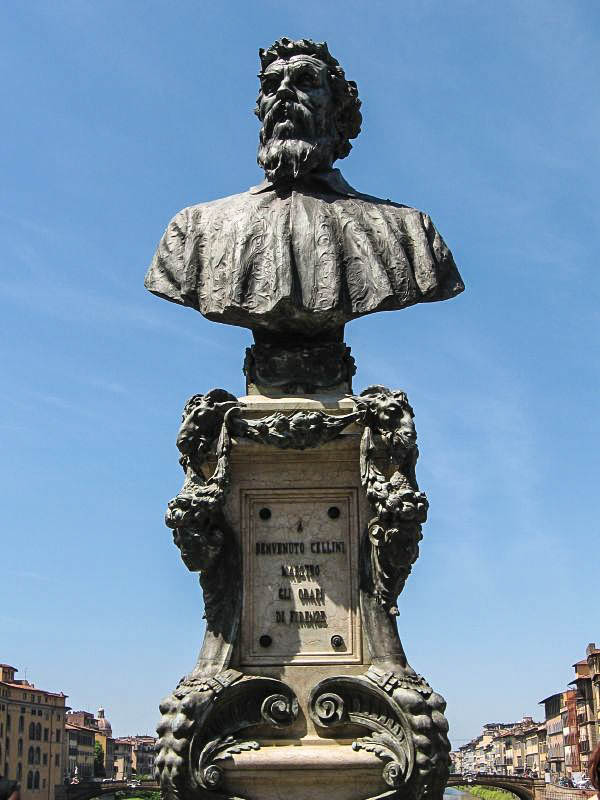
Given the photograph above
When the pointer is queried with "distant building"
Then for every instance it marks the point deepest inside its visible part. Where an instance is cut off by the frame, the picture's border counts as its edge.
(80, 752)
(535, 750)
(32, 734)
(85, 724)
(587, 703)
(142, 754)
(105, 738)
(568, 712)
(555, 755)
(504, 748)
(558, 747)
(456, 762)
(123, 759)
(573, 719)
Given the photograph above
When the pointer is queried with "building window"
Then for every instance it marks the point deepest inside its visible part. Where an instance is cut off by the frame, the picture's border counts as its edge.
(30, 780)
(32, 730)
(36, 780)
(8, 722)
(58, 736)
(43, 783)
(19, 771)
(56, 760)
(21, 724)
(45, 734)
(20, 747)
(30, 756)
(37, 755)
(38, 732)
(45, 759)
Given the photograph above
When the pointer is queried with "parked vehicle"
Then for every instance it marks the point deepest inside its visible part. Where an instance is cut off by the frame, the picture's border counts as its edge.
(583, 783)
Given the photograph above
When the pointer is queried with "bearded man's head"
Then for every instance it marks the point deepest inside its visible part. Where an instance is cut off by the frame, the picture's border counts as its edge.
(309, 111)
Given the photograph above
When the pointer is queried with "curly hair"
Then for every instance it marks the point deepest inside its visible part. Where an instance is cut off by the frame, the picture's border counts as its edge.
(348, 118)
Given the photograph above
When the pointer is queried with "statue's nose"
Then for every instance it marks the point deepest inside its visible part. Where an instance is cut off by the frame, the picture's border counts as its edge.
(286, 90)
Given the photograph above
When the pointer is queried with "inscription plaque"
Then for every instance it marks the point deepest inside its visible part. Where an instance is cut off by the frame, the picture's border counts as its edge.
(300, 573)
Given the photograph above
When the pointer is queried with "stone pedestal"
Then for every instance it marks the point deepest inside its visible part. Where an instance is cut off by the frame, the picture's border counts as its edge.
(303, 517)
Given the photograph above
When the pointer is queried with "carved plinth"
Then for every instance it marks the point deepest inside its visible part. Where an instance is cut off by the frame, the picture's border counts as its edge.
(303, 520)
(308, 367)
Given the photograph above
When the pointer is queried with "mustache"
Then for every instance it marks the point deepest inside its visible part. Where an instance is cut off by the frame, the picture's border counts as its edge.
(286, 119)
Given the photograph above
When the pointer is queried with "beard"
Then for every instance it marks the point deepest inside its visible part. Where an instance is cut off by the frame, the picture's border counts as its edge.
(290, 144)
(287, 159)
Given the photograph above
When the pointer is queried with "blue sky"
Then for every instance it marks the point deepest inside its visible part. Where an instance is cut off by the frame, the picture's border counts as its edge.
(119, 114)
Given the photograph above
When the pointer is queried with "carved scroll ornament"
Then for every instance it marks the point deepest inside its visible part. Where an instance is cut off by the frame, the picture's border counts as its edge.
(340, 701)
(200, 726)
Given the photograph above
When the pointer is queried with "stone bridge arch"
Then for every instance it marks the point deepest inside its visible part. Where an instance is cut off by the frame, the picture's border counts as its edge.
(86, 790)
(523, 788)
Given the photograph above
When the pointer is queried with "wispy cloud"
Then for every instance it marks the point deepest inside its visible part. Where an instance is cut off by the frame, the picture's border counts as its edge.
(72, 304)
(31, 575)
(109, 386)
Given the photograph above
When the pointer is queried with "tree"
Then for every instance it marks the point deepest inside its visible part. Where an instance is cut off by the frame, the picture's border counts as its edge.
(99, 771)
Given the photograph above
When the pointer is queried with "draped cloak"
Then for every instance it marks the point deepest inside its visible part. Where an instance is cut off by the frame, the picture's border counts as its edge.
(304, 259)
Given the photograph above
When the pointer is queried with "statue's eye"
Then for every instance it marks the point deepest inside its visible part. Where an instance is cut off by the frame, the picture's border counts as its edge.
(306, 80)
(269, 86)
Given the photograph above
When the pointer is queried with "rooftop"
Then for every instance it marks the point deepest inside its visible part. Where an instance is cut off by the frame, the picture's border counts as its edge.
(71, 726)
(31, 687)
(550, 697)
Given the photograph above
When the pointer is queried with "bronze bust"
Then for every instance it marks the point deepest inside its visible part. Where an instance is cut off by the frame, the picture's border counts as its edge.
(298, 256)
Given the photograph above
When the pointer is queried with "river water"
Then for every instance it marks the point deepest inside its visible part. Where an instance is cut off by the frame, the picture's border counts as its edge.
(456, 794)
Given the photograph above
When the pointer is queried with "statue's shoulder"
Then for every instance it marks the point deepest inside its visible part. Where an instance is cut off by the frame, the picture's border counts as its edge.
(412, 220)
(400, 208)
(193, 214)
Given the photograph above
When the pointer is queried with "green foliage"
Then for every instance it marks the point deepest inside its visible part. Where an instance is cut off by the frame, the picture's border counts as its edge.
(140, 794)
(99, 771)
(486, 794)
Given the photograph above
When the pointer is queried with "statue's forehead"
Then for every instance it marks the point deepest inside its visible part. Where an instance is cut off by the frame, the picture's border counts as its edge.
(299, 59)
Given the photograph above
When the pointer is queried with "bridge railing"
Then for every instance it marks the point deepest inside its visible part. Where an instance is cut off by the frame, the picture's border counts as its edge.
(536, 786)
(469, 776)
(563, 793)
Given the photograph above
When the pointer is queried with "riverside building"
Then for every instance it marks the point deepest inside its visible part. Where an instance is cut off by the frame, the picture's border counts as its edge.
(85, 731)
(32, 740)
